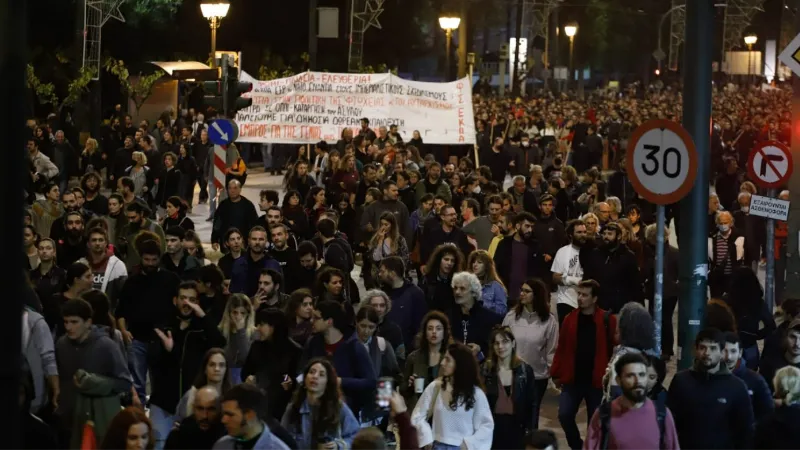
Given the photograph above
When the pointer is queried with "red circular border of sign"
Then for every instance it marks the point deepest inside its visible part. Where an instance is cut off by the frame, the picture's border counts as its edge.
(662, 199)
(752, 173)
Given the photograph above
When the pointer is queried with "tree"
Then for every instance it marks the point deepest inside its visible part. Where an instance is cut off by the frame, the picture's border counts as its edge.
(46, 94)
(139, 91)
(157, 12)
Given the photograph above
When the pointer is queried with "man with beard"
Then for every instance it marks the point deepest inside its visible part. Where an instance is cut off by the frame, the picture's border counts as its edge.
(447, 232)
(285, 254)
(309, 264)
(144, 303)
(247, 269)
(389, 203)
(201, 429)
(126, 188)
(95, 202)
(108, 272)
(72, 246)
(567, 270)
(369, 180)
(632, 421)
(711, 406)
(614, 266)
(519, 258)
(176, 259)
(137, 223)
(503, 228)
(58, 230)
(123, 158)
(274, 216)
(757, 387)
(433, 184)
(236, 211)
(48, 279)
(185, 337)
(270, 291)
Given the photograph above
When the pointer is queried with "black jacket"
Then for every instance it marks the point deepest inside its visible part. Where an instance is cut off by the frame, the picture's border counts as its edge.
(523, 395)
(241, 214)
(779, 430)
(173, 372)
(190, 436)
(475, 327)
(435, 236)
(617, 272)
(537, 267)
(146, 302)
(550, 232)
(269, 363)
(711, 411)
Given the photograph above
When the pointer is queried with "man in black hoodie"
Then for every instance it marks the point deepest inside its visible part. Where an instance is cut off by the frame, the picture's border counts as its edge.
(549, 230)
(614, 266)
(178, 357)
(711, 406)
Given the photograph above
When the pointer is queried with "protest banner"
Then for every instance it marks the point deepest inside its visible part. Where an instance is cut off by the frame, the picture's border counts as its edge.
(314, 106)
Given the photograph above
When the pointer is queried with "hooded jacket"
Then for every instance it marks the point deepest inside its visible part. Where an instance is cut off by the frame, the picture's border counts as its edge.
(102, 374)
(760, 395)
(711, 410)
(408, 309)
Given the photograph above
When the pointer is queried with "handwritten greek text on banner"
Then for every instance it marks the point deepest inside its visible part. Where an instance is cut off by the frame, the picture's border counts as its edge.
(314, 106)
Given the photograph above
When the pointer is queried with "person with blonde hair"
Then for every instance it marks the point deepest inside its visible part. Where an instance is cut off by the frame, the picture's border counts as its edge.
(237, 327)
(779, 429)
(92, 160)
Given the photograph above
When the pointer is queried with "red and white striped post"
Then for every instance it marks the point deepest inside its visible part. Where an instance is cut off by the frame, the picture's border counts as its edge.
(220, 166)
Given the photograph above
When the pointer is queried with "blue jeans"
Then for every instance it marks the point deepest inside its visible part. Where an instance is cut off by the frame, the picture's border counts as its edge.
(440, 446)
(568, 403)
(162, 425)
(137, 364)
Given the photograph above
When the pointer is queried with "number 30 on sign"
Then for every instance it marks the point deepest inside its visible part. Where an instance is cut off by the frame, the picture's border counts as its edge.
(661, 161)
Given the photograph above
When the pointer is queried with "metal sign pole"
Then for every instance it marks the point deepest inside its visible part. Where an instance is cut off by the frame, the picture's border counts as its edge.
(658, 299)
(769, 295)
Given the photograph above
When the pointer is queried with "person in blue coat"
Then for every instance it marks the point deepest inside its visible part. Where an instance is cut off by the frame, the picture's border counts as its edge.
(241, 406)
(349, 357)
(318, 417)
(760, 395)
(248, 268)
(408, 300)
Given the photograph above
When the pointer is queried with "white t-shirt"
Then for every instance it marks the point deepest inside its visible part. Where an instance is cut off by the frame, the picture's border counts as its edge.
(567, 263)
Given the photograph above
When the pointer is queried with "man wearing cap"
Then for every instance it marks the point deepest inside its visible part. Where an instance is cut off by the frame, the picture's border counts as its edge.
(614, 266)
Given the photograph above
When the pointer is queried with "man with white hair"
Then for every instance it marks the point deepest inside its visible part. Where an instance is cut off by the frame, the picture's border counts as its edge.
(753, 228)
(470, 322)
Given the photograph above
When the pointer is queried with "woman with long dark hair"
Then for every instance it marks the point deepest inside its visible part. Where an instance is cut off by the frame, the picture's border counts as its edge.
(510, 389)
(535, 330)
(130, 429)
(387, 242)
(424, 362)
(299, 311)
(318, 417)
(187, 166)
(331, 285)
(273, 359)
(456, 406)
(215, 372)
(443, 263)
(175, 216)
(746, 299)
(315, 204)
(347, 217)
(294, 213)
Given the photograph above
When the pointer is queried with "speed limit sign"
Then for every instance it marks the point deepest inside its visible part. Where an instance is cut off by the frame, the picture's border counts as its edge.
(661, 161)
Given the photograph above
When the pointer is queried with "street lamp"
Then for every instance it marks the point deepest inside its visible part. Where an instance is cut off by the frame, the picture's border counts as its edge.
(571, 30)
(448, 24)
(750, 40)
(214, 12)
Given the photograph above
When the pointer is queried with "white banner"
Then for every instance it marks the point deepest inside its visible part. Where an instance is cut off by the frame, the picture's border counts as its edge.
(314, 106)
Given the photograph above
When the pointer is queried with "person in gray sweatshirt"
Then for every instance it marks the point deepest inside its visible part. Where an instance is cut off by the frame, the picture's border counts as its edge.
(92, 374)
(39, 354)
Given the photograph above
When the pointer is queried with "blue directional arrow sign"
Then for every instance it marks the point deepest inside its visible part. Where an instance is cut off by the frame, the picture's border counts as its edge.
(223, 131)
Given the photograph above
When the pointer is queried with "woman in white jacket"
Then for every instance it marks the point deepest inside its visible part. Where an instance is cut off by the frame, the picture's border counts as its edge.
(453, 412)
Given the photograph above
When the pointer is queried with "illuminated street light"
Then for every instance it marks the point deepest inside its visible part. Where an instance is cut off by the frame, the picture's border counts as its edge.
(750, 40)
(214, 12)
(448, 24)
(571, 30)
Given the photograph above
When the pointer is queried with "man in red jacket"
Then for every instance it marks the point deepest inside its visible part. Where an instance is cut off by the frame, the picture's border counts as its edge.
(584, 348)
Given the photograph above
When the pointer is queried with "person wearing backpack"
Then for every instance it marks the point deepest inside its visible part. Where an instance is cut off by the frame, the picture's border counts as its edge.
(632, 421)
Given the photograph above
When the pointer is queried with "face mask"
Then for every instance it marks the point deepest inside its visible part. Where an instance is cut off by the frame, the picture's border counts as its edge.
(745, 209)
(526, 144)
(477, 190)
(724, 228)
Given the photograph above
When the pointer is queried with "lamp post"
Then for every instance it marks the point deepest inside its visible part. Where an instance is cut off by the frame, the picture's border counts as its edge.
(571, 30)
(750, 40)
(448, 24)
(214, 12)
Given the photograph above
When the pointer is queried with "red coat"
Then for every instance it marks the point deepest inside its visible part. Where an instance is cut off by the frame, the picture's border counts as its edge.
(564, 362)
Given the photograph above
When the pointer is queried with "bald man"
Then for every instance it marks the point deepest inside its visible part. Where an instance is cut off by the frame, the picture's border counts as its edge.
(201, 429)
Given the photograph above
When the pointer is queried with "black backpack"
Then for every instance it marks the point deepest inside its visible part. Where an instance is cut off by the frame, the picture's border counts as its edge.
(605, 422)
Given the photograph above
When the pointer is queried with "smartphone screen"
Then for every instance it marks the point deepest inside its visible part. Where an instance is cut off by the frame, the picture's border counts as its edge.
(384, 392)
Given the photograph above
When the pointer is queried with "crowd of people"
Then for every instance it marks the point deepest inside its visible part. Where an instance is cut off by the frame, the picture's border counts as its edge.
(133, 339)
